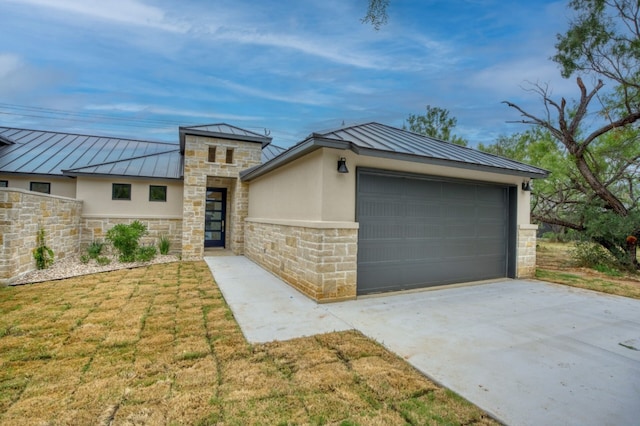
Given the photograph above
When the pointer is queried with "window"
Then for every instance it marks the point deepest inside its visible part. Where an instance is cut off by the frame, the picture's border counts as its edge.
(229, 156)
(4, 183)
(121, 191)
(157, 193)
(44, 187)
(212, 154)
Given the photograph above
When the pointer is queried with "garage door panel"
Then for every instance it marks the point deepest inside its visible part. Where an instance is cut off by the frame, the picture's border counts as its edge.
(424, 232)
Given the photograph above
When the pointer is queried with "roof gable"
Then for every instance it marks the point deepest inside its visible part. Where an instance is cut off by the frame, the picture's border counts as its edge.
(222, 131)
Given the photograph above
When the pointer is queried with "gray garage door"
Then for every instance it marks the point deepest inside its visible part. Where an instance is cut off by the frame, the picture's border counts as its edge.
(421, 232)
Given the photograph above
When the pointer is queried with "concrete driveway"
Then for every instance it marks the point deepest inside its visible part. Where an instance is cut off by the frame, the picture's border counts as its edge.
(527, 352)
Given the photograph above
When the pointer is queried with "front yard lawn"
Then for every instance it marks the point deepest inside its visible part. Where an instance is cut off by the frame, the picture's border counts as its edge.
(158, 345)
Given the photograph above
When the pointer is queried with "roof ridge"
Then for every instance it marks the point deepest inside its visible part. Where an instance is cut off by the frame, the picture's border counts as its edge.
(197, 127)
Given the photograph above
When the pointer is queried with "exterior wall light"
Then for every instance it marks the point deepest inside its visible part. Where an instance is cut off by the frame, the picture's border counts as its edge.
(526, 186)
(342, 165)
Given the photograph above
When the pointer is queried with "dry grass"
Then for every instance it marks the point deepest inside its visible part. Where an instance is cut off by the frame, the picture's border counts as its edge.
(555, 264)
(158, 345)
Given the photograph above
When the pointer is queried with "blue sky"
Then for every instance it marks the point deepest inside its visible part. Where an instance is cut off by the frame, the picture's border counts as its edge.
(141, 68)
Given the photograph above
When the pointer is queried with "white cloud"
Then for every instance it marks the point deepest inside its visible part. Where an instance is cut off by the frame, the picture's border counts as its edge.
(304, 97)
(18, 78)
(130, 12)
(179, 112)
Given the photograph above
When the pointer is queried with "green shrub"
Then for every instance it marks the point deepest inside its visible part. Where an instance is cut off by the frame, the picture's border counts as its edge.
(95, 249)
(103, 260)
(42, 254)
(588, 254)
(164, 244)
(85, 258)
(125, 239)
(146, 253)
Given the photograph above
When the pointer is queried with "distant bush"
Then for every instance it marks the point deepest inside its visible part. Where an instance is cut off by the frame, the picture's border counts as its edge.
(592, 255)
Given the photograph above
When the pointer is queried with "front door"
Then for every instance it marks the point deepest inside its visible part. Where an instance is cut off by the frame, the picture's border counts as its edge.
(215, 213)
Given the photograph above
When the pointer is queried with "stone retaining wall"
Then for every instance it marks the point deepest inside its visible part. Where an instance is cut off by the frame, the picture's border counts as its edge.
(22, 214)
(526, 251)
(319, 259)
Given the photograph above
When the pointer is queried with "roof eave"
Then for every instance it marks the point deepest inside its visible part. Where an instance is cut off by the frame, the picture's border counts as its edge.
(71, 173)
(371, 152)
(315, 141)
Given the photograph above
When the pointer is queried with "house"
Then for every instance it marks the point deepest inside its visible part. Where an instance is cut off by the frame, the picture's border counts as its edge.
(355, 210)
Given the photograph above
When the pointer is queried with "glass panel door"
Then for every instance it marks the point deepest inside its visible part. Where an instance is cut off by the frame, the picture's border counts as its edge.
(214, 217)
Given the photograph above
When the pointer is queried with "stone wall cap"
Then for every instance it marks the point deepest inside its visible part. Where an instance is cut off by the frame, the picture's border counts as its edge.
(319, 224)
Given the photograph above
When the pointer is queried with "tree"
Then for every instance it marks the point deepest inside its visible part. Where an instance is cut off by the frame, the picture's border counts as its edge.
(600, 196)
(376, 13)
(435, 123)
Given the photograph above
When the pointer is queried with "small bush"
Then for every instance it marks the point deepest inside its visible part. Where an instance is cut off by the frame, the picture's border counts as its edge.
(42, 254)
(146, 253)
(85, 258)
(103, 260)
(95, 249)
(164, 244)
(588, 254)
(125, 238)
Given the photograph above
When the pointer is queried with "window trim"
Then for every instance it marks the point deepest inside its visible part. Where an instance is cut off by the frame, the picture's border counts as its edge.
(165, 193)
(113, 192)
(40, 183)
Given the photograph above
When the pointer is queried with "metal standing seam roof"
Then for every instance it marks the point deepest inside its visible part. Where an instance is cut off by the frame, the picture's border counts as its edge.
(379, 140)
(223, 131)
(53, 153)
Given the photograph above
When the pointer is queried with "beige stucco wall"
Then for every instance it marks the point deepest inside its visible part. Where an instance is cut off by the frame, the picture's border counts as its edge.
(316, 191)
(60, 186)
(96, 195)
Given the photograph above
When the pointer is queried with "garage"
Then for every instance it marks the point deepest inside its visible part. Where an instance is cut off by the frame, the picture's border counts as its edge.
(421, 231)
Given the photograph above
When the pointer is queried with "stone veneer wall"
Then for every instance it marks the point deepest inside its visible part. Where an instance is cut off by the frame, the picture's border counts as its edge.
(22, 213)
(526, 251)
(197, 170)
(95, 228)
(318, 259)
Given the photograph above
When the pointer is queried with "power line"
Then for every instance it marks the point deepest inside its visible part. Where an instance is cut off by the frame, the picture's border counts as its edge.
(60, 114)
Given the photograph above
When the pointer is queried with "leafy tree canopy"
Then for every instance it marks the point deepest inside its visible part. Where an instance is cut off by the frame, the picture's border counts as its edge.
(436, 123)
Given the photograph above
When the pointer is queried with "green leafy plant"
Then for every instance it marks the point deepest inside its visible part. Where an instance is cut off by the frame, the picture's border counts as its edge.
(95, 249)
(42, 254)
(85, 258)
(125, 238)
(164, 244)
(146, 253)
(103, 260)
(588, 254)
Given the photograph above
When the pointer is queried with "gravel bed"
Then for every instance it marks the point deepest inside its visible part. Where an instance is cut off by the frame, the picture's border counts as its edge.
(72, 267)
